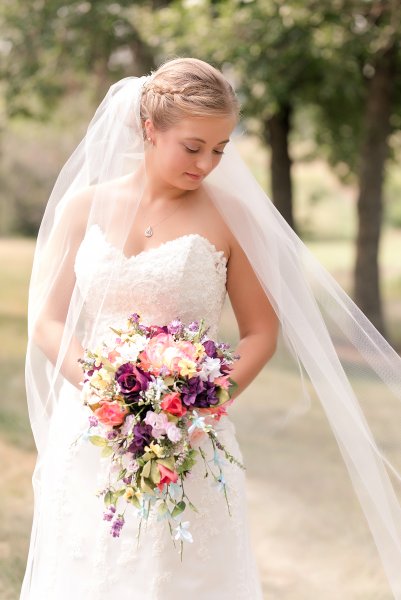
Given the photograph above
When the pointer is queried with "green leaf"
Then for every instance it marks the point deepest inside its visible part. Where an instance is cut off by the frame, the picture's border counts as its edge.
(108, 498)
(192, 506)
(146, 469)
(97, 440)
(122, 473)
(167, 462)
(146, 485)
(178, 509)
(162, 508)
(233, 386)
(155, 473)
(134, 500)
(222, 395)
(106, 451)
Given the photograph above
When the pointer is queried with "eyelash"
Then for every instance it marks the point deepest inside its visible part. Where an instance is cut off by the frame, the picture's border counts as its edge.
(193, 151)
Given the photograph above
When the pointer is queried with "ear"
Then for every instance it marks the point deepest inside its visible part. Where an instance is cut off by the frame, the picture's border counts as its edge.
(149, 128)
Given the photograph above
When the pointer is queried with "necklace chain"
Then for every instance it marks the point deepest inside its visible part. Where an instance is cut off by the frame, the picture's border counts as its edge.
(149, 230)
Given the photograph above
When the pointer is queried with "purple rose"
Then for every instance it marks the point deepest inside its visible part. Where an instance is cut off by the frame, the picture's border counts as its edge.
(131, 380)
(142, 438)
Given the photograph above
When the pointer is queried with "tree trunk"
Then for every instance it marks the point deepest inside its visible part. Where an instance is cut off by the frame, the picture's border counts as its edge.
(276, 132)
(373, 156)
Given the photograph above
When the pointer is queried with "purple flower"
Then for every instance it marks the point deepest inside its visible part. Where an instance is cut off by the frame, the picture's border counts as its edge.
(175, 326)
(210, 348)
(198, 393)
(109, 513)
(190, 390)
(142, 438)
(223, 345)
(131, 380)
(93, 421)
(111, 435)
(193, 326)
(117, 526)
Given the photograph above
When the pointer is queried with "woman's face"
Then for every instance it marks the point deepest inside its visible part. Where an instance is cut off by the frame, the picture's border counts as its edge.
(186, 153)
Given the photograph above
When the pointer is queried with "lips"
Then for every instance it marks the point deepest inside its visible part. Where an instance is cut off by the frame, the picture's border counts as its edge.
(195, 177)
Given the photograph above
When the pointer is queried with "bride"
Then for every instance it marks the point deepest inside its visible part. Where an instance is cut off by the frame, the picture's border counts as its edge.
(155, 213)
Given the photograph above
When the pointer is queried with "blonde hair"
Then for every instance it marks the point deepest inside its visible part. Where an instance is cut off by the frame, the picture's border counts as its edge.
(186, 87)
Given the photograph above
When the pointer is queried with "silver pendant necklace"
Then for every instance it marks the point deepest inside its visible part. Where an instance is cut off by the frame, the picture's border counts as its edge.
(149, 230)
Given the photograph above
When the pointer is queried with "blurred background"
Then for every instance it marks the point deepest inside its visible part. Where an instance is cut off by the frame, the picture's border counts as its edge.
(320, 88)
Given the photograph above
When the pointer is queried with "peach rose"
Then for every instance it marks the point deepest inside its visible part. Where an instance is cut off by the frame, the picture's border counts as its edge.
(111, 413)
(163, 351)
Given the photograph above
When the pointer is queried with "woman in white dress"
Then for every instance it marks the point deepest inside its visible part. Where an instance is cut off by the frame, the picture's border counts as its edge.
(148, 216)
(179, 260)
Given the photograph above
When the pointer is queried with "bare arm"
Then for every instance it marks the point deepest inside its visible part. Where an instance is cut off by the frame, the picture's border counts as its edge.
(257, 321)
(59, 259)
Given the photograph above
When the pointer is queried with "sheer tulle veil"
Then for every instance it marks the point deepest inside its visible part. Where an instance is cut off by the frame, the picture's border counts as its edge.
(318, 319)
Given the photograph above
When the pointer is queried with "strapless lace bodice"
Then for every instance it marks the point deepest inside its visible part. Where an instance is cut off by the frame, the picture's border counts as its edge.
(184, 277)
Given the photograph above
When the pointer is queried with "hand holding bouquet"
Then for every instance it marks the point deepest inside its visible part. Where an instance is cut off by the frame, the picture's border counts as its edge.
(154, 393)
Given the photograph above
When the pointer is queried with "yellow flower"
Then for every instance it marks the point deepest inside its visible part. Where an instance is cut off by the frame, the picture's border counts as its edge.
(187, 367)
(101, 379)
(128, 494)
(200, 351)
(156, 449)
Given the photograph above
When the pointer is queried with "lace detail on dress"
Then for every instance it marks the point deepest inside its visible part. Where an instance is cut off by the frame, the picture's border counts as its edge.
(184, 277)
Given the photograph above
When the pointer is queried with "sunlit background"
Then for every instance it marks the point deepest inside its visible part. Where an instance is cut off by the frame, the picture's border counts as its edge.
(320, 87)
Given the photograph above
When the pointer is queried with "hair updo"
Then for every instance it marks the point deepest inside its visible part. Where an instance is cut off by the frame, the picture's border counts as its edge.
(186, 87)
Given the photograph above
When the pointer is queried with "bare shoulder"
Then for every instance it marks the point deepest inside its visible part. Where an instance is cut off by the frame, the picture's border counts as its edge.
(79, 206)
(216, 228)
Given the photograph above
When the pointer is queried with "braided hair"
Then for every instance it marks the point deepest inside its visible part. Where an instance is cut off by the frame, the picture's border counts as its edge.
(184, 87)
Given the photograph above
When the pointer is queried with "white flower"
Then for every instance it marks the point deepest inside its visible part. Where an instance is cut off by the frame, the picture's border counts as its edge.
(210, 369)
(182, 532)
(173, 432)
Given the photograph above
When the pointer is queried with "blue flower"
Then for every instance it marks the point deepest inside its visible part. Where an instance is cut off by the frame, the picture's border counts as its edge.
(220, 483)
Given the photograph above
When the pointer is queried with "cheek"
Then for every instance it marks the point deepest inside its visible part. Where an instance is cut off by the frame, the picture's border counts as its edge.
(171, 157)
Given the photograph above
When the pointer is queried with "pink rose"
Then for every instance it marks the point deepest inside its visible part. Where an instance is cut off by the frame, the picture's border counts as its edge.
(163, 351)
(111, 413)
(172, 404)
(167, 475)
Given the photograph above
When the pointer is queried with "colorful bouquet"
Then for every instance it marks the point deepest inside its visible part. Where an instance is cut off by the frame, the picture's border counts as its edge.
(154, 393)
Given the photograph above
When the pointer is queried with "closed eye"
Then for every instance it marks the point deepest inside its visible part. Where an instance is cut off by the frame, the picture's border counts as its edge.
(193, 151)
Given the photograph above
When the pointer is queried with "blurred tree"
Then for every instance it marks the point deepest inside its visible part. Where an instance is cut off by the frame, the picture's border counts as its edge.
(52, 47)
(360, 106)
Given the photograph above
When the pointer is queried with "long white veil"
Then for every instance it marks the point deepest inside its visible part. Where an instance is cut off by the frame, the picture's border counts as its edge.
(317, 317)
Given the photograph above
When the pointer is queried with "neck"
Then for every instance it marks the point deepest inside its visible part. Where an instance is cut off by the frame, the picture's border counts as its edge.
(157, 191)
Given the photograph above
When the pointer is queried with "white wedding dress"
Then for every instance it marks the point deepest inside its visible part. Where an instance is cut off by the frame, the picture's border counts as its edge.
(76, 558)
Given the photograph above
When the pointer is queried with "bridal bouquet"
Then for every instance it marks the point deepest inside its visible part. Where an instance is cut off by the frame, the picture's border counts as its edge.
(154, 393)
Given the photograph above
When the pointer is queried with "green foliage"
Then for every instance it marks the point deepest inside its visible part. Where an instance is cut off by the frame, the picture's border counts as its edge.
(53, 48)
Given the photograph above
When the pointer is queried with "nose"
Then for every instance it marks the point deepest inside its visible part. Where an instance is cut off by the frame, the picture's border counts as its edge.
(204, 163)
